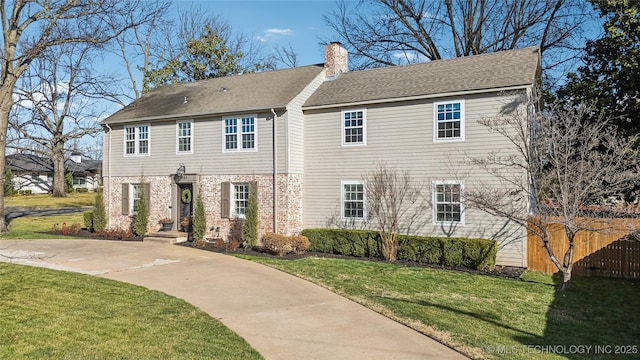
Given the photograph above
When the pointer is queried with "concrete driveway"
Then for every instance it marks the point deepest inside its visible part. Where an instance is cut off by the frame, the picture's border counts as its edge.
(281, 316)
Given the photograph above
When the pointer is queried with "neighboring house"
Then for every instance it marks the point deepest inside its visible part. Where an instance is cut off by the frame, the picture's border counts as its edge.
(35, 173)
(322, 129)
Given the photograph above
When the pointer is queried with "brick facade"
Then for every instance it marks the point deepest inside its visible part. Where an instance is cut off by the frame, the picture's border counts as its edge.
(163, 190)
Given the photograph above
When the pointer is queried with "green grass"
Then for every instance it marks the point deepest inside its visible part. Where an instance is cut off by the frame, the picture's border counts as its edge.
(485, 316)
(45, 201)
(50, 314)
(39, 227)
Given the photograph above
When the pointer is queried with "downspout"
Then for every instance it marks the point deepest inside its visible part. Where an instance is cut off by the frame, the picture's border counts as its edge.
(275, 171)
(109, 180)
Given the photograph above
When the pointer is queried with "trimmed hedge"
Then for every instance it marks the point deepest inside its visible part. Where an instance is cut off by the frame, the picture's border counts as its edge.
(87, 216)
(457, 252)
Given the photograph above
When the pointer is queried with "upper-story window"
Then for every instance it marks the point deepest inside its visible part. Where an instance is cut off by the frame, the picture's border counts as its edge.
(353, 200)
(447, 200)
(240, 133)
(354, 131)
(136, 140)
(185, 137)
(448, 120)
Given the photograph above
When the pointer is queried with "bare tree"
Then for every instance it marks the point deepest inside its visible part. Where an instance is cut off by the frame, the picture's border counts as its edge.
(391, 196)
(29, 27)
(286, 56)
(59, 100)
(563, 167)
(391, 32)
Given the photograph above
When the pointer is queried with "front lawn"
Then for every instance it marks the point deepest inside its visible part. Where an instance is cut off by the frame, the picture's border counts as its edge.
(485, 316)
(46, 201)
(50, 314)
(39, 227)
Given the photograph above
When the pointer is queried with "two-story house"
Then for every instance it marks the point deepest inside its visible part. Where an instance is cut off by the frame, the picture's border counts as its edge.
(318, 130)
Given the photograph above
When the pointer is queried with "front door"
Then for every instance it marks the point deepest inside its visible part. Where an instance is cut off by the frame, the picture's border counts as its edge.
(185, 201)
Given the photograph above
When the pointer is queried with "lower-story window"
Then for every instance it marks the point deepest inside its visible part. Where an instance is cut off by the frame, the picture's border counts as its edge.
(240, 199)
(447, 203)
(131, 196)
(353, 200)
(136, 194)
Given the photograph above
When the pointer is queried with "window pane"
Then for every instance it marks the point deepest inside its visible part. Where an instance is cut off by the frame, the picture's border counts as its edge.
(354, 127)
(353, 206)
(448, 207)
(240, 198)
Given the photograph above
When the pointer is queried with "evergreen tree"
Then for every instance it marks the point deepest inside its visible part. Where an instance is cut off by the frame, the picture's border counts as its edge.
(99, 213)
(250, 227)
(199, 220)
(610, 76)
(141, 222)
(9, 190)
(68, 182)
(206, 57)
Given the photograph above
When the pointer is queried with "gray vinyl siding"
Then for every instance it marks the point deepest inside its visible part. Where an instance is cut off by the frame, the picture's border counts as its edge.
(295, 127)
(207, 142)
(401, 135)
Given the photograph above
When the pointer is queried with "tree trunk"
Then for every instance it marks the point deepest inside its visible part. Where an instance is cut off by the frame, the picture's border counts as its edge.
(566, 279)
(5, 107)
(58, 170)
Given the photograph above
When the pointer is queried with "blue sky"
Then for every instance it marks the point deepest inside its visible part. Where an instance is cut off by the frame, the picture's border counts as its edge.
(276, 23)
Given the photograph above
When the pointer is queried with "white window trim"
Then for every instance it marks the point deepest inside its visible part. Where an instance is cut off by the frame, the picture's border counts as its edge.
(191, 127)
(136, 140)
(364, 201)
(364, 128)
(239, 133)
(435, 204)
(234, 214)
(462, 120)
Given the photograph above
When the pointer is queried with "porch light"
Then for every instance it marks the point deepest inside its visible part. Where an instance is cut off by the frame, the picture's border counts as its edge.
(180, 171)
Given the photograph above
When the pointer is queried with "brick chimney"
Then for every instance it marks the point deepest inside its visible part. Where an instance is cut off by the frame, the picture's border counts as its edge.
(335, 59)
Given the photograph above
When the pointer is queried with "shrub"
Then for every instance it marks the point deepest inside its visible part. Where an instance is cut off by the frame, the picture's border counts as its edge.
(276, 244)
(456, 252)
(281, 244)
(250, 225)
(141, 222)
(299, 243)
(74, 229)
(360, 243)
(232, 245)
(87, 216)
(82, 190)
(99, 213)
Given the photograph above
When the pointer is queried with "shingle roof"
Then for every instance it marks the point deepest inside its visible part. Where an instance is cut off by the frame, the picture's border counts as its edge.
(249, 92)
(472, 73)
(39, 164)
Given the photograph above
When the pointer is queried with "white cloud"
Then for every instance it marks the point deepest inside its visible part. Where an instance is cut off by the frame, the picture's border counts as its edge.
(409, 57)
(270, 34)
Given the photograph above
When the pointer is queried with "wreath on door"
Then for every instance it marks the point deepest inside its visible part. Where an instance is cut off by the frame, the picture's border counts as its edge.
(186, 196)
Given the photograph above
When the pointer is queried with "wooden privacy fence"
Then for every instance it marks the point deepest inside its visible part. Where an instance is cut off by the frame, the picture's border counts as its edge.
(609, 252)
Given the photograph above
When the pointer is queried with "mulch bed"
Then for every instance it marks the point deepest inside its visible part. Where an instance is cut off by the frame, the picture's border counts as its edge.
(502, 271)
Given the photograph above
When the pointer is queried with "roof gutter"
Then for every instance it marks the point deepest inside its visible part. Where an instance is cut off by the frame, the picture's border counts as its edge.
(416, 97)
(190, 116)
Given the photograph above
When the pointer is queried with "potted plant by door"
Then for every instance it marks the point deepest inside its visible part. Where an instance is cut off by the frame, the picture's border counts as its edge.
(185, 224)
(167, 224)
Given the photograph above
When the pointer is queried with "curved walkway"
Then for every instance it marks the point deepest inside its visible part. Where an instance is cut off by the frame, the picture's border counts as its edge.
(281, 316)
